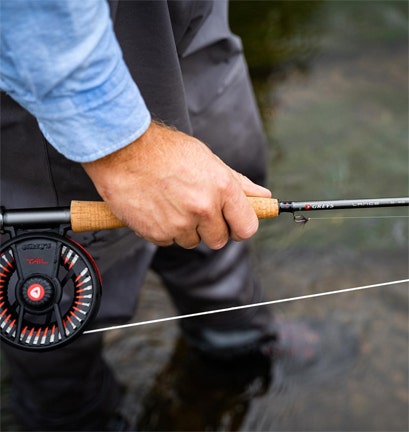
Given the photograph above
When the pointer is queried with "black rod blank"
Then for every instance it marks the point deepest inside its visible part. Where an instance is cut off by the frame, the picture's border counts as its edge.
(293, 206)
(35, 218)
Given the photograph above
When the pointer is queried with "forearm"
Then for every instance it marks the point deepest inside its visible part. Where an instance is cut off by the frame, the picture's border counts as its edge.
(165, 185)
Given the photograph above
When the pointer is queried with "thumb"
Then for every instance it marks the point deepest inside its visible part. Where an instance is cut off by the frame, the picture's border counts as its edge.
(250, 188)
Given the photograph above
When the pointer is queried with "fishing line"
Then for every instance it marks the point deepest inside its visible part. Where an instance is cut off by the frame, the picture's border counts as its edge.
(355, 217)
(301, 219)
(234, 308)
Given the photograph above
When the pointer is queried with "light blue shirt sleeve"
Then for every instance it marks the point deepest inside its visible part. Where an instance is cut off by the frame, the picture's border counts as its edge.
(61, 61)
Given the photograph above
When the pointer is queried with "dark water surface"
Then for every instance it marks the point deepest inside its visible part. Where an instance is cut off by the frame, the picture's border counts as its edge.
(332, 83)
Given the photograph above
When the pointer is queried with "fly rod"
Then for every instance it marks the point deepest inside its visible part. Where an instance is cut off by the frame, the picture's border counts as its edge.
(39, 263)
(84, 216)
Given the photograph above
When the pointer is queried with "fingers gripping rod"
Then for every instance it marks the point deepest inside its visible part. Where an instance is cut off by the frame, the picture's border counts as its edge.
(96, 215)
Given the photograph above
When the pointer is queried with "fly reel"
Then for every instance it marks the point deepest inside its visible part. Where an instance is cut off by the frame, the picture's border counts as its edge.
(50, 288)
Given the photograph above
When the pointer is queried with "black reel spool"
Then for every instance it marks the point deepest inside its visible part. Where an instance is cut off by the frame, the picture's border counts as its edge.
(50, 289)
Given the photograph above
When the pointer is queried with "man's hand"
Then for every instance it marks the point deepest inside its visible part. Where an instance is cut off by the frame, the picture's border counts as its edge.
(169, 187)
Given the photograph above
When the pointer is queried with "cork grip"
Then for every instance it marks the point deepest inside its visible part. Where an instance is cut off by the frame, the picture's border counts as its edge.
(92, 215)
(96, 215)
(265, 207)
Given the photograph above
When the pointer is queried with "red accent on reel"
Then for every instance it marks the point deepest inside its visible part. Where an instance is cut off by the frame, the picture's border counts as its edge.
(35, 292)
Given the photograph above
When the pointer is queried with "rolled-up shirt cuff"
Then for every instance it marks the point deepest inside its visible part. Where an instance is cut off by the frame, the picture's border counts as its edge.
(98, 122)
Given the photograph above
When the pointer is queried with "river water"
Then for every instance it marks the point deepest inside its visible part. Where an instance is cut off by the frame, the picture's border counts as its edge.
(331, 79)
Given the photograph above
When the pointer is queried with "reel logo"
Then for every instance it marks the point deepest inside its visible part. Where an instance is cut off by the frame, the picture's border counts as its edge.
(40, 260)
(35, 292)
(41, 246)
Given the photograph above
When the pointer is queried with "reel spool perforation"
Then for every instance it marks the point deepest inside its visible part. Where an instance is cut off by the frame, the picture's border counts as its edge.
(50, 289)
